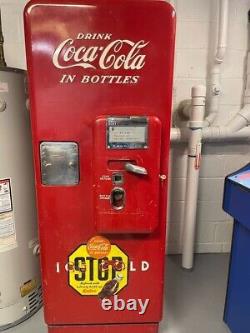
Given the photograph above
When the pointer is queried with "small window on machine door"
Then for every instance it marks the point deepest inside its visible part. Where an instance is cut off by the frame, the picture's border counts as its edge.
(59, 163)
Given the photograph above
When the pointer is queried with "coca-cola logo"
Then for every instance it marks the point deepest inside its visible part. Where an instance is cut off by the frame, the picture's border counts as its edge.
(85, 52)
(67, 55)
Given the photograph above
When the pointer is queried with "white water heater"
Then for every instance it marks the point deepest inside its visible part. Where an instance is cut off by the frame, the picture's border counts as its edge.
(20, 287)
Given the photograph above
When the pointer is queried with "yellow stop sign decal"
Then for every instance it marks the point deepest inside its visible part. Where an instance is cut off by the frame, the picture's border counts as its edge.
(93, 276)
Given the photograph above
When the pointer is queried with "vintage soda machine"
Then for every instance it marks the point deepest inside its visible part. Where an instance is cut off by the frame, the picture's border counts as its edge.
(100, 80)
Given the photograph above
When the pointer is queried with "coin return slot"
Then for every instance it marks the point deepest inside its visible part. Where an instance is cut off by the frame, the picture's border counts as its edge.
(117, 178)
(117, 198)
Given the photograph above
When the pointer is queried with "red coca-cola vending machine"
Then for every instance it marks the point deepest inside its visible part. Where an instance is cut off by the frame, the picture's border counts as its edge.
(100, 81)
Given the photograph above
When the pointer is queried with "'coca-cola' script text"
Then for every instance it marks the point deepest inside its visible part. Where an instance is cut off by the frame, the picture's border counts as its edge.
(118, 54)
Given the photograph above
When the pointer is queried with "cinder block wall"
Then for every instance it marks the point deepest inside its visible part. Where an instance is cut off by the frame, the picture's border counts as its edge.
(195, 45)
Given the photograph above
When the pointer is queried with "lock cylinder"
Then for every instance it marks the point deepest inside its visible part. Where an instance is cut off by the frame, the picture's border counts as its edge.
(117, 198)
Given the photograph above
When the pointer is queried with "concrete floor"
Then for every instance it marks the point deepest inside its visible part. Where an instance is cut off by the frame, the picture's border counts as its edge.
(194, 301)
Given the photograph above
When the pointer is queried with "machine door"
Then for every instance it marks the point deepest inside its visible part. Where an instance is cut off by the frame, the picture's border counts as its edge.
(100, 84)
(126, 178)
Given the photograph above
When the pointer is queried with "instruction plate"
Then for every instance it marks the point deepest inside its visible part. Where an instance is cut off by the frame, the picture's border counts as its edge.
(127, 133)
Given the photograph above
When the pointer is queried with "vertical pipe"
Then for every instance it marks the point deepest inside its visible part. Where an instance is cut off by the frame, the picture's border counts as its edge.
(194, 157)
(216, 67)
(222, 33)
(2, 59)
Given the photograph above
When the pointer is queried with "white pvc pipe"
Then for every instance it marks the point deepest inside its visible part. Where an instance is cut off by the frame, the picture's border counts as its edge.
(214, 97)
(222, 33)
(184, 109)
(194, 155)
(211, 134)
(222, 134)
(215, 75)
(190, 216)
(247, 89)
(236, 129)
(216, 68)
(241, 120)
(179, 134)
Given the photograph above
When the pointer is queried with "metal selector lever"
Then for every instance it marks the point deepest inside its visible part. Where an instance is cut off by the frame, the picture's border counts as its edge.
(135, 169)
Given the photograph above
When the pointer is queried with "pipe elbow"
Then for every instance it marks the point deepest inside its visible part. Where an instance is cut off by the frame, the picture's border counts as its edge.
(240, 120)
(184, 109)
(220, 54)
(245, 113)
(210, 119)
(179, 134)
(175, 135)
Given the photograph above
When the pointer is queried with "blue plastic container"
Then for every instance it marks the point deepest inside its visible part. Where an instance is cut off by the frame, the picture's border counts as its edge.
(237, 204)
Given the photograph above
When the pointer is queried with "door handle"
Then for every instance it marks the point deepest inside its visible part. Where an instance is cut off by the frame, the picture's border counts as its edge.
(136, 169)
